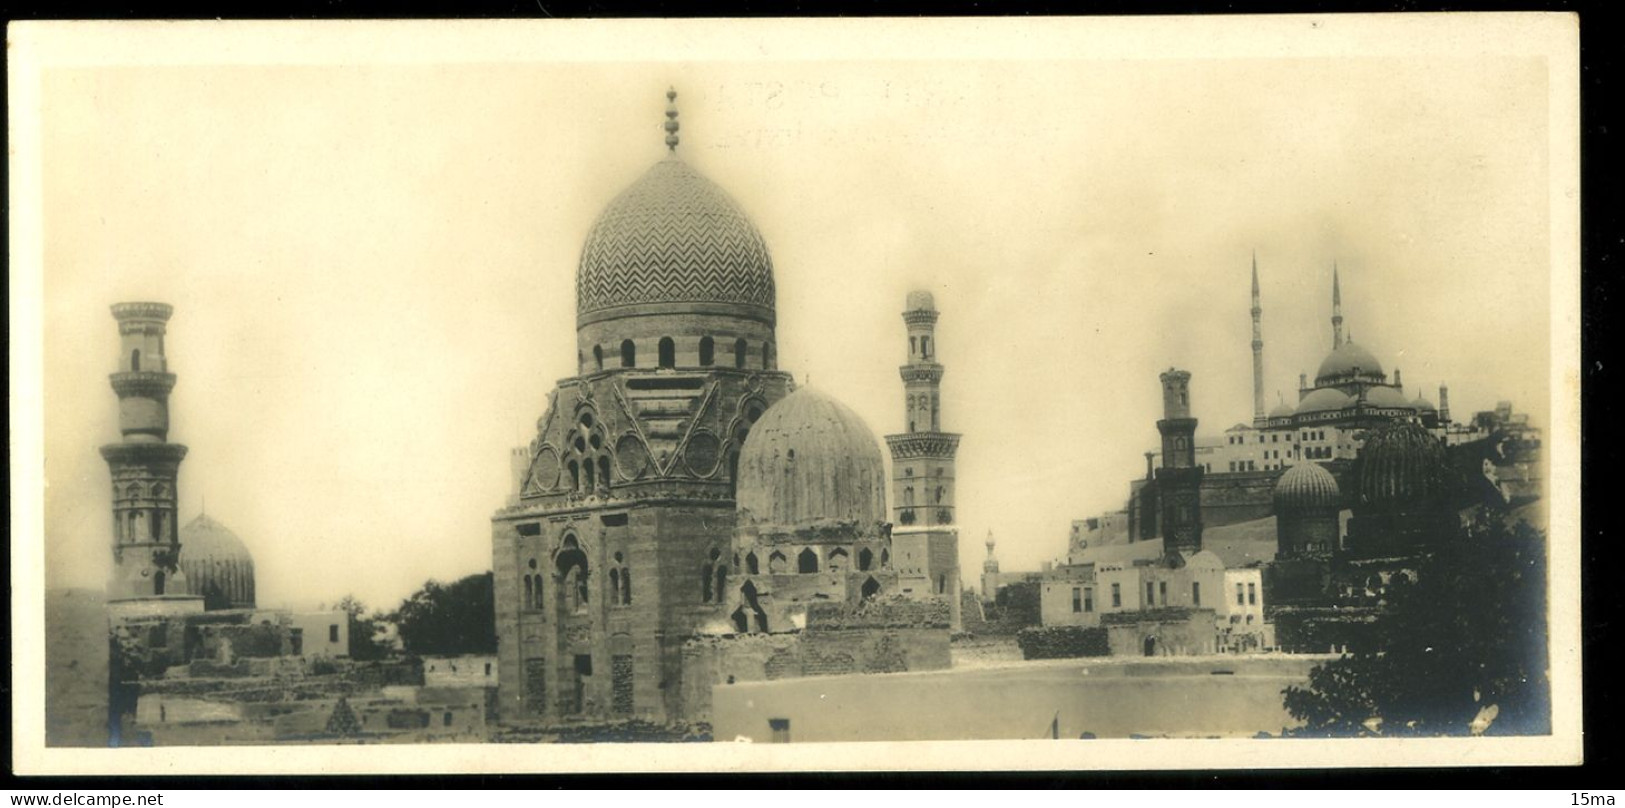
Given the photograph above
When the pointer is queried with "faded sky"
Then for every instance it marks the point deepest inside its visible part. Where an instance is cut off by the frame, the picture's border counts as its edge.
(372, 266)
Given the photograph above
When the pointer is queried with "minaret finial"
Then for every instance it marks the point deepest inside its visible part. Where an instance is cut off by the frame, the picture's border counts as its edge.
(1259, 419)
(671, 119)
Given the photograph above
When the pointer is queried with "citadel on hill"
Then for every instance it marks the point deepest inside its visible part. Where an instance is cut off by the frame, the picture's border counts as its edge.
(693, 541)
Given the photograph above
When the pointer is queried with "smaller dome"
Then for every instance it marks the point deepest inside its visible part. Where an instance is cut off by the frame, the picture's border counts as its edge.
(1348, 360)
(1306, 485)
(1421, 404)
(810, 461)
(1283, 410)
(1325, 399)
(1383, 396)
(921, 300)
(217, 564)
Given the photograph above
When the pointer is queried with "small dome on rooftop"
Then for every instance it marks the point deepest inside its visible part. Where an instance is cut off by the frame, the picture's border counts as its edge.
(811, 461)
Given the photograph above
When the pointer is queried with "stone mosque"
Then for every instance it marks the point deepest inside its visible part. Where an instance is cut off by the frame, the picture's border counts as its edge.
(685, 510)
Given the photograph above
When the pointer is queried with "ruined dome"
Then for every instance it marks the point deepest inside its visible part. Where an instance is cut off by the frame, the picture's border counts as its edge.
(921, 300)
(1400, 465)
(674, 237)
(217, 564)
(1348, 361)
(1325, 399)
(1306, 485)
(811, 461)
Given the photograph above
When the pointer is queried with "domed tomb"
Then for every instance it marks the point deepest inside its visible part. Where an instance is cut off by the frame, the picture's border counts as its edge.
(1306, 486)
(811, 463)
(1400, 466)
(674, 237)
(217, 564)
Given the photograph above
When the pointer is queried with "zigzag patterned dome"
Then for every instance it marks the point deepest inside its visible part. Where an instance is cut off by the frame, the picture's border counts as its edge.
(673, 237)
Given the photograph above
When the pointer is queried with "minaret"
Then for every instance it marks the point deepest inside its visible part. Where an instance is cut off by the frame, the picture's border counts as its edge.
(1444, 404)
(922, 460)
(1180, 478)
(1258, 353)
(144, 466)
(1337, 310)
(990, 572)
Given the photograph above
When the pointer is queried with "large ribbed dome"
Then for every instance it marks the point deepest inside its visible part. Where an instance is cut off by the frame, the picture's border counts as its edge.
(673, 237)
(811, 461)
(1306, 485)
(1348, 360)
(217, 564)
(1401, 465)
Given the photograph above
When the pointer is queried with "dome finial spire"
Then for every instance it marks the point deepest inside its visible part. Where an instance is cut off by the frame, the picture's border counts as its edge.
(671, 119)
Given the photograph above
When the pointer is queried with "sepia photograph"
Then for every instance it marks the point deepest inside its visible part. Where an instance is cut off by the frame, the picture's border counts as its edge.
(734, 395)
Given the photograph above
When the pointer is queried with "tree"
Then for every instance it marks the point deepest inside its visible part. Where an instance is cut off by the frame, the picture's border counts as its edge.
(364, 643)
(1460, 651)
(450, 619)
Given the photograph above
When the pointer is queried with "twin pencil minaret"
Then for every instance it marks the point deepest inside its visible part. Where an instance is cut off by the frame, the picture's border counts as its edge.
(1258, 353)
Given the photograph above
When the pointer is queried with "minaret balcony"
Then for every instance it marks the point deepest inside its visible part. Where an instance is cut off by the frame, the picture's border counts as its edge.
(921, 372)
(142, 383)
(923, 444)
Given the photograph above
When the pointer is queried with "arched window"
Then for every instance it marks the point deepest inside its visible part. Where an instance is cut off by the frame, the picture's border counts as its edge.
(592, 473)
(913, 346)
(708, 350)
(158, 526)
(537, 602)
(626, 586)
(135, 360)
(614, 586)
(807, 561)
(706, 594)
(777, 562)
(871, 587)
(134, 531)
(668, 353)
(598, 356)
(158, 583)
(530, 593)
(739, 353)
(751, 565)
(629, 354)
(939, 493)
(603, 470)
(925, 347)
(837, 560)
(866, 558)
(575, 475)
(885, 558)
(721, 579)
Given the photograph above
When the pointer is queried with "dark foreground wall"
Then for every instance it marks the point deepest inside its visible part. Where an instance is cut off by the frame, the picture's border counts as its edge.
(1179, 698)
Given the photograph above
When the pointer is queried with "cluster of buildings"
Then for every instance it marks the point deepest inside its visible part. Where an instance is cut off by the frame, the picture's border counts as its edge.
(687, 519)
(685, 516)
(1359, 481)
(192, 658)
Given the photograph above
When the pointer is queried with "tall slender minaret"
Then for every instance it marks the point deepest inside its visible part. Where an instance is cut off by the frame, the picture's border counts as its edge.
(922, 460)
(1337, 310)
(144, 466)
(1258, 353)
